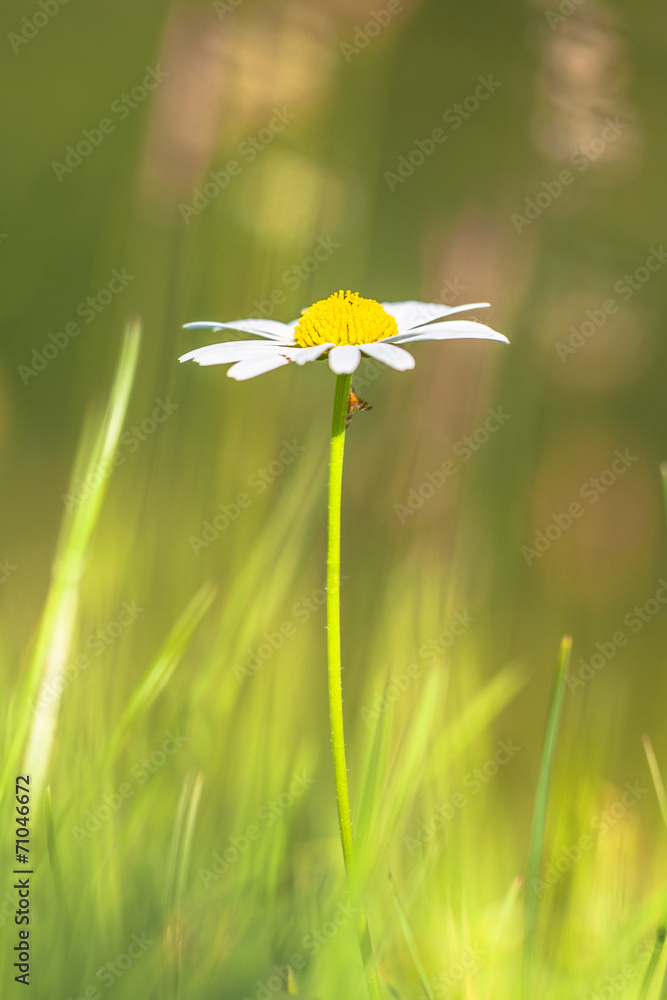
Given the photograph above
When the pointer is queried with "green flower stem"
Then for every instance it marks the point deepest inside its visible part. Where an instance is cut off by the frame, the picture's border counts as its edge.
(338, 428)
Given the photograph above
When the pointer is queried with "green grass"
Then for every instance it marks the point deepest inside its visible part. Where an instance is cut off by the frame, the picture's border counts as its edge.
(184, 784)
(200, 816)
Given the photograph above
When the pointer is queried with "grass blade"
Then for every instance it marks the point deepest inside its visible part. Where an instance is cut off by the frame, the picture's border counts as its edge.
(161, 671)
(656, 776)
(57, 625)
(540, 817)
(661, 933)
(52, 850)
(482, 710)
(177, 868)
(370, 783)
(410, 939)
(497, 934)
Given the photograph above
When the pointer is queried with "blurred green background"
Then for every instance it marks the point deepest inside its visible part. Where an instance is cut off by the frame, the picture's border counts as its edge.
(546, 198)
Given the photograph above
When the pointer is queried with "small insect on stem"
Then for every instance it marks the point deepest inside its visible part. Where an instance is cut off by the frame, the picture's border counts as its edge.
(355, 403)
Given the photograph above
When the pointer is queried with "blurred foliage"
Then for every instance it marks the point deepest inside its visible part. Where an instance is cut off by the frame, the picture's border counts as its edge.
(573, 268)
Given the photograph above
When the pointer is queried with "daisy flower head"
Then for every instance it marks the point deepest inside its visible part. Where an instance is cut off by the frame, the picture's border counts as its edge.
(343, 328)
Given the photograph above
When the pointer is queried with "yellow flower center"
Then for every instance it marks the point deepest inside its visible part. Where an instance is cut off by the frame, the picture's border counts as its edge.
(344, 318)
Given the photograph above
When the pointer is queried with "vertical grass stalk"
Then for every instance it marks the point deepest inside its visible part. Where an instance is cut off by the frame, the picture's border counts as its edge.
(540, 820)
(34, 732)
(338, 428)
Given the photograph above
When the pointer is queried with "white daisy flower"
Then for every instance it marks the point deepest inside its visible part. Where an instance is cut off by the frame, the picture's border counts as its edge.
(342, 327)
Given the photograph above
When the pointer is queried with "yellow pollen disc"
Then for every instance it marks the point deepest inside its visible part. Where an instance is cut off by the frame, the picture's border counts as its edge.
(344, 318)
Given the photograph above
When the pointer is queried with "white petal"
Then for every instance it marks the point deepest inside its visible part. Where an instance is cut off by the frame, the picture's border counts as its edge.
(395, 357)
(461, 329)
(411, 314)
(311, 353)
(257, 366)
(235, 350)
(344, 359)
(268, 328)
(203, 325)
